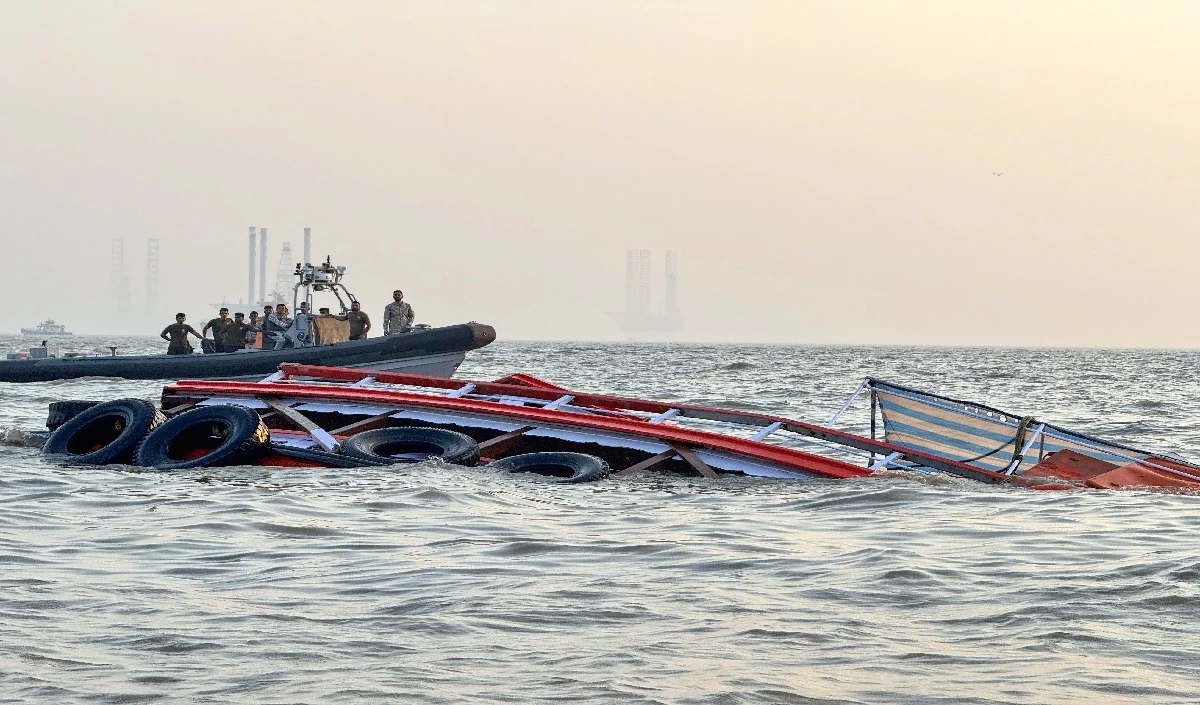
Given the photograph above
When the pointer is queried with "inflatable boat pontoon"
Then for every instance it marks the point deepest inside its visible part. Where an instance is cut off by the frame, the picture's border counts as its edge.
(431, 351)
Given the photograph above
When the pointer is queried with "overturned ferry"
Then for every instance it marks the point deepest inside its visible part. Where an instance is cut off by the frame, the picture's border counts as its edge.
(339, 417)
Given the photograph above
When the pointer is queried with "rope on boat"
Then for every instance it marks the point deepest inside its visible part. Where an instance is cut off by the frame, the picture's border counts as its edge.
(1016, 442)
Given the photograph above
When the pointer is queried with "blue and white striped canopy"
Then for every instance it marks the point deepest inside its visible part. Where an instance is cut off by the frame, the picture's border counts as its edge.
(964, 431)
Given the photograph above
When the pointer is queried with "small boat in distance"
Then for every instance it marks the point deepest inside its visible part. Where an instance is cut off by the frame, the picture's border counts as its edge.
(47, 327)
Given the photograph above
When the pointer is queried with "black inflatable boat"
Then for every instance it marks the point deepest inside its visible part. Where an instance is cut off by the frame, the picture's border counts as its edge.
(434, 351)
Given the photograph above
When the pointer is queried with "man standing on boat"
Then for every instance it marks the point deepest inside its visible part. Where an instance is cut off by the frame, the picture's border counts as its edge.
(398, 315)
(253, 326)
(218, 326)
(176, 336)
(360, 322)
(275, 327)
(235, 333)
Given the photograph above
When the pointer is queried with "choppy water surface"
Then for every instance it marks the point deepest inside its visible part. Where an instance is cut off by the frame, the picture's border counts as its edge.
(440, 584)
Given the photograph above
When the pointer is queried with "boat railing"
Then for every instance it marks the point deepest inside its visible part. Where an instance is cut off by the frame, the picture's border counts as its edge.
(692, 427)
(747, 425)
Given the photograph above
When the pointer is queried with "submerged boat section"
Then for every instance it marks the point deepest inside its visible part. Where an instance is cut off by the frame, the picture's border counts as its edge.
(345, 417)
(1021, 447)
(523, 413)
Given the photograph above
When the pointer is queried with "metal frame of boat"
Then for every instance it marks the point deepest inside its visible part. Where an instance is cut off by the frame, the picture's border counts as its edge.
(317, 407)
(522, 413)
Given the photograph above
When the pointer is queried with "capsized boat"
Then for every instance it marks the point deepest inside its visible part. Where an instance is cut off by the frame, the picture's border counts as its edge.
(339, 417)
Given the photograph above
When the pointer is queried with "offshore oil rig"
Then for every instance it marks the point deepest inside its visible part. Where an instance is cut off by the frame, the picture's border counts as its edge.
(639, 315)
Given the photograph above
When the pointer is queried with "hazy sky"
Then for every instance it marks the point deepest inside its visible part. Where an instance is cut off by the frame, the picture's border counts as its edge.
(823, 168)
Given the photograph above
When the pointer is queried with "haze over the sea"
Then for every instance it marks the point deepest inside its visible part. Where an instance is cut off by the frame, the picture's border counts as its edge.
(825, 169)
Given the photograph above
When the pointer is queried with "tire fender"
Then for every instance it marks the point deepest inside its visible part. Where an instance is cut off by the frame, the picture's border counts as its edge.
(61, 412)
(206, 436)
(557, 466)
(104, 433)
(420, 443)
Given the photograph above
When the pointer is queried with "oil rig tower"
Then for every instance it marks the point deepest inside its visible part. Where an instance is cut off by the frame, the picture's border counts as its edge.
(639, 315)
(119, 281)
(153, 301)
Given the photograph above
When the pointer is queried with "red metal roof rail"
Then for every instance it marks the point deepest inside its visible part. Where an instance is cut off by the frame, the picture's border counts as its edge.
(604, 401)
(815, 464)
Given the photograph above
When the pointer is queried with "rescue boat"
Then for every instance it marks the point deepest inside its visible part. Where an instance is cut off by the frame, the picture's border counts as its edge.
(314, 339)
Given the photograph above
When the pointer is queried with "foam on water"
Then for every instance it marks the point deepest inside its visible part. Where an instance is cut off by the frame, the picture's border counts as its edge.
(432, 583)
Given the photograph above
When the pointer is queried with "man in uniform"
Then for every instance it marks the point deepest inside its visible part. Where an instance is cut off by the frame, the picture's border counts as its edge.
(360, 322)
(274, 328)
(218, 326)
(176, 336)
(253, 327)
(235, 333)
(398, 315)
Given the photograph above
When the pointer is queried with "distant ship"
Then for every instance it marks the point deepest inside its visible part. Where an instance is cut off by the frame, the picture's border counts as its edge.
(47, 327)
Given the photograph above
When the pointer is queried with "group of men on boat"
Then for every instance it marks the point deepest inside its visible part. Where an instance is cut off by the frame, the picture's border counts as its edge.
(268, 331)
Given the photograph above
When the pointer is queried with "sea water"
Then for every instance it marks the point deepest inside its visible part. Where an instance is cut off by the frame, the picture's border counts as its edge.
(440, 584)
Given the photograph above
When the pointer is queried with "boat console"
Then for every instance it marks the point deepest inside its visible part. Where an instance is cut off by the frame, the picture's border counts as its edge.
(320, 277)
(305, 327)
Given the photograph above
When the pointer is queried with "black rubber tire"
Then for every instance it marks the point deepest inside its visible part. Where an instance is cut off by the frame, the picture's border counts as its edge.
(335, 460)
(384, 444)
(233, 434)
(104, 433)
(558, 466)
(63, 411)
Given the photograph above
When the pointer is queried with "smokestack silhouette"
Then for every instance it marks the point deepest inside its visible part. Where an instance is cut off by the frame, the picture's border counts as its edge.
(250, 295)
(307, 245)
(262, 264)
